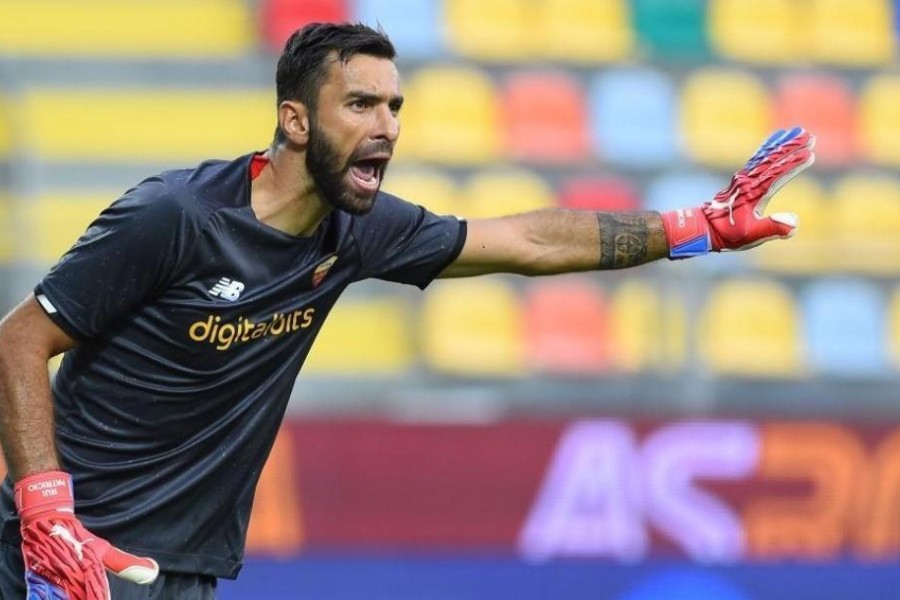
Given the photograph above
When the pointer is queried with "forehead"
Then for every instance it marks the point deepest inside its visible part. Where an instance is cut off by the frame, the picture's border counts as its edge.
(363, 73)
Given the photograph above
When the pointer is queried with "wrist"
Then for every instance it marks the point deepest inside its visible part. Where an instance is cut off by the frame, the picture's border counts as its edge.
(42, 493)
(687, 232)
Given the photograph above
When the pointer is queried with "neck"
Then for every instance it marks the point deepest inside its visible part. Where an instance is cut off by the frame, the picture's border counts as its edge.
(284, 196)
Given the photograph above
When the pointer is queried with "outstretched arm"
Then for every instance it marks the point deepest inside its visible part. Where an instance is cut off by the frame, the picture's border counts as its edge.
(559, 241)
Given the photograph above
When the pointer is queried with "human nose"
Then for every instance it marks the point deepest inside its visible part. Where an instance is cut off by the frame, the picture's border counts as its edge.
(387, 125)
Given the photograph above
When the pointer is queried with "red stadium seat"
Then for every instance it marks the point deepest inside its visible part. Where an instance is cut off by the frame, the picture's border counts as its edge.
(545, 117)
(567, 326)
(280, 18)
(599, 193)
(822, 103)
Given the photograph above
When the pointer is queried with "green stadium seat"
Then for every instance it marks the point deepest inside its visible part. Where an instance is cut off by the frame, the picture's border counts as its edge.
(52, 223)
(544, 117)
(672, 30)
(762, 31)
(496, 31)
(812, 250)
(496, 193)
(866, 213)
(824, 104)
(280, 18)
(751, 328)
(133, 29)
(450, 117)
(364, 337)
(567, 327)
(432, 189)
(650, 329)
(859, 33)
(583, 32)
(725, 115)
(879, 119)
(473, 327)
(134, 125)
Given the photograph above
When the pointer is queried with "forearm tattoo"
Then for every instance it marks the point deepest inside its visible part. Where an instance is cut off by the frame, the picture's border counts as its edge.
(624, 239)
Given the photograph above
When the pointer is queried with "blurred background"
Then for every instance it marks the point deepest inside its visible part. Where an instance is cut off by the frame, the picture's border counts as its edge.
(723, 428)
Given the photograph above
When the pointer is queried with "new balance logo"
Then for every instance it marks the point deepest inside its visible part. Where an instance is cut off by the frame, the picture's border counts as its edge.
(227, 289)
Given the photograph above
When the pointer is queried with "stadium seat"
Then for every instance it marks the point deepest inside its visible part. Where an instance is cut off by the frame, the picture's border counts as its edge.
(879, 119)
(751, 328)
(650, 327)
(672, 30)
(364, 337)
(6, 134)
(813, 249)
(866, 224)
(123, 126)
(632, 117)
(497, 193)
(52, 223)
(7, 231)
(473, 327)
(894, 328)
(544, 117)
(496, 31)
(450, 117)
(567, 326)
(725, 115)
(850, 34)
(133, 29)
(824, 104)
(845, 327)
(432, 189)
(759, 32)
(583, 32)
(599, 193)
(280, 18)
(414, 26)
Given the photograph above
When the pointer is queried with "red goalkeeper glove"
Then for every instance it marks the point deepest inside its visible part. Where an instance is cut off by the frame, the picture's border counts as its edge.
(63, 560)
(734, 219)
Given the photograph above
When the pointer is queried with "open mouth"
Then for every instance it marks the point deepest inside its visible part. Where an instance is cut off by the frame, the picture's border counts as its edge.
(368, 172)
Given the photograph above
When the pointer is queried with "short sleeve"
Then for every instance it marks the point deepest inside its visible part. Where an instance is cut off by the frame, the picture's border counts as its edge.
(404, 243)
(124, 257)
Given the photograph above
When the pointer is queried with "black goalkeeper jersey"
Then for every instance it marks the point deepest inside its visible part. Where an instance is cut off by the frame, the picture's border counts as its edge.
(193, 320)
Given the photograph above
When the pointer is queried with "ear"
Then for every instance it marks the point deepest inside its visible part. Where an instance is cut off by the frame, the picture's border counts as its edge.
(293, 117)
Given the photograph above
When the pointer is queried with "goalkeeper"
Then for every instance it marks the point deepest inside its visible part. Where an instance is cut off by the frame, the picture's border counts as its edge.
(187, 308)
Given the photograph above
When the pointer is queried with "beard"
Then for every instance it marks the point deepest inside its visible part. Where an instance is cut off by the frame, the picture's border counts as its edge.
(331, 177)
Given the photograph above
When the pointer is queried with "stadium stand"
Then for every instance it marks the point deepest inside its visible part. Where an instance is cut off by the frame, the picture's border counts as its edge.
(598, 193)
(427, 187)
(879, 119)
(867, 217)
(760, 32)
(503, 192)
(850, 34)
(54, 222)
(280, 18)
(650, 328)
(498, 31)
(415, 27)
(671, 30)
(586, 33)
(7, 239)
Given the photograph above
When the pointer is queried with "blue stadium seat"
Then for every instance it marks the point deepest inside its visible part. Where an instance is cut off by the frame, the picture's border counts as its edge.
(414, 25)
(845, 323)
(632, 117)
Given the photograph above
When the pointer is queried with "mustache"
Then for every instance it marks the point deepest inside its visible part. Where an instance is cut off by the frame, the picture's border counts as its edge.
(378, 147)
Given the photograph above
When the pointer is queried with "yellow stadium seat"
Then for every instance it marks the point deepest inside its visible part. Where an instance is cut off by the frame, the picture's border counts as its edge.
(143, 125)
(499, 193)
(879, 119)
(894, 328)
(52, 223)
(867, 224)
(857, 33)
(649, 326)
(584, 32)
(432, 189)
(500, 30)
(135, 28)
(812, 249)
(751, 329)
(371, 337)
(6, 121)
(473, 327)
(762, 31)
(450, 116)
(725, 115)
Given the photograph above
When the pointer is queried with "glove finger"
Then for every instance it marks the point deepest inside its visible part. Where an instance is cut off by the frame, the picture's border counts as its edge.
(137, 569)
(781, 173)
(783, 145)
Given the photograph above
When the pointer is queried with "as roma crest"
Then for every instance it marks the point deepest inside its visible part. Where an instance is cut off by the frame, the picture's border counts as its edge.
(322, 270)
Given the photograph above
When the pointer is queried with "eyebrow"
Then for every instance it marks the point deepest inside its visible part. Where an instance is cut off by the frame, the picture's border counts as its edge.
(393, 101)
